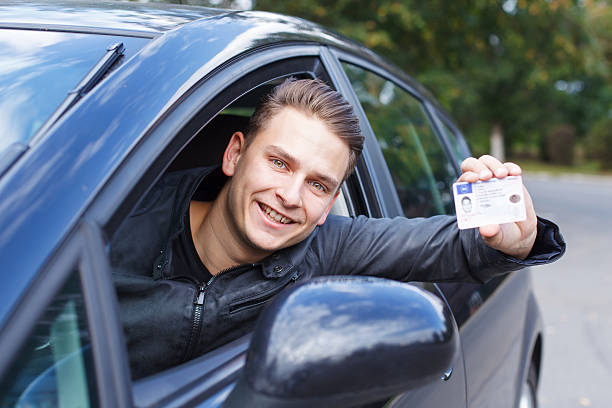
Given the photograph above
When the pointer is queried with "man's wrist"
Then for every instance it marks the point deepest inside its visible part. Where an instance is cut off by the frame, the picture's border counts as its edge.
(548, 245)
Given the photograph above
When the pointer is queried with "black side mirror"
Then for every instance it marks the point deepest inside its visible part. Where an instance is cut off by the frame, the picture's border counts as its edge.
(341, 341)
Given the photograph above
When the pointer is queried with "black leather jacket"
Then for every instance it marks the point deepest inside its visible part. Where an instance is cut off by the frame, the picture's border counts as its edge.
(169, 319)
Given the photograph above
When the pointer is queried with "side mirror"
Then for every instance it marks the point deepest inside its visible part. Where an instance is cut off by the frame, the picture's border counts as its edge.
(341, 341)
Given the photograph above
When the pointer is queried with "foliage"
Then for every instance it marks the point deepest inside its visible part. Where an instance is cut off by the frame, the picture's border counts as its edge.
(599, 142)
(560, 144)
(527, 65)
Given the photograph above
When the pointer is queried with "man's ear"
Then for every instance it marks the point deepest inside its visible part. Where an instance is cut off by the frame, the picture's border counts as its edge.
(331, 204)
(234, 150)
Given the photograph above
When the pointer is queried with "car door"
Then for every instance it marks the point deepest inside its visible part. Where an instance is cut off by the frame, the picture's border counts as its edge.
(62, 345)
(410, 175)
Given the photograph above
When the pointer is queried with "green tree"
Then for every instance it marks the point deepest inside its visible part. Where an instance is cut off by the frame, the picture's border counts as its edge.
(523, 67)
(598, 118)
(520, 66)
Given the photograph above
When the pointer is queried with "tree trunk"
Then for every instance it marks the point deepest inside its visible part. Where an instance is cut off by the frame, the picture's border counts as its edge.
(497, 142)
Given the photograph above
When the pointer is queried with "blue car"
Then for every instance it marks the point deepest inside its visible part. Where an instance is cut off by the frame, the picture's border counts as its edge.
(100, 100)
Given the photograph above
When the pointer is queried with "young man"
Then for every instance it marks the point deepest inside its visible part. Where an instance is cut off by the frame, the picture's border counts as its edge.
(208, 247)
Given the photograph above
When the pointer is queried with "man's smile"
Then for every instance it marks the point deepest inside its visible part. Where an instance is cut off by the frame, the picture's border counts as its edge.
(274, 215)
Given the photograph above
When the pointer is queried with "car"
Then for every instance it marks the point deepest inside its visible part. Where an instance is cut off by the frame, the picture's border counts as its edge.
(100, 100)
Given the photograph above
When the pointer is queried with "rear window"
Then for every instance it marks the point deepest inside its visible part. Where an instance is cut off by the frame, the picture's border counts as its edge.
(39, 69)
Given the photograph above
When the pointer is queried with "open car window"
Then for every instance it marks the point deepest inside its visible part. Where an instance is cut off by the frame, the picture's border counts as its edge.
(202, 143)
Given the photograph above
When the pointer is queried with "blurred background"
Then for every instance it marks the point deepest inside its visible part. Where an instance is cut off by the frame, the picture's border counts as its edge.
(528, 81)
(525, 80)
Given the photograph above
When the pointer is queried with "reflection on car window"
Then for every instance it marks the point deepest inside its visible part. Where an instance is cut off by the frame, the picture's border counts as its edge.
(456, 146)
(55, 366)
(422, 174)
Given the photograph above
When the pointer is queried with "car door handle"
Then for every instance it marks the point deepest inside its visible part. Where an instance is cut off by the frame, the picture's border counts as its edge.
(447, 374)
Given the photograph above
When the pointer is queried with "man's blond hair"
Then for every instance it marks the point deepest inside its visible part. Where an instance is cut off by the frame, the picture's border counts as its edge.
(315, 98)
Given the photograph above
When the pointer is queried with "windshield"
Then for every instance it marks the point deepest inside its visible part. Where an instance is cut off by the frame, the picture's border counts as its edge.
(39, 68)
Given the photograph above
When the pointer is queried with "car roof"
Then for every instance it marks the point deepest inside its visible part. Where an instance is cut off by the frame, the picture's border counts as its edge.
(138, 19)
(154, 19)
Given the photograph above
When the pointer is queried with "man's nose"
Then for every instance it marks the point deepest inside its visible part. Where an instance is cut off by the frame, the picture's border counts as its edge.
(290, 193)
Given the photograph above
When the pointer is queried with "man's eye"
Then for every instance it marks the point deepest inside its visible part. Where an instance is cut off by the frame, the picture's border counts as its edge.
(278, 163)
(318, 186)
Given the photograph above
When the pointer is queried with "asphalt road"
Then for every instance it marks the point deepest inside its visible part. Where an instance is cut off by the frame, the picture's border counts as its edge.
(575, 293)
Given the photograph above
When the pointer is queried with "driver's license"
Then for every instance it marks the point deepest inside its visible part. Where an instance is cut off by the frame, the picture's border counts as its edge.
(496, 201)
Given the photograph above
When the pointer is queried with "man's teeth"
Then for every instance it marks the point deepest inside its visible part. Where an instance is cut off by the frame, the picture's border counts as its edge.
(276, 216)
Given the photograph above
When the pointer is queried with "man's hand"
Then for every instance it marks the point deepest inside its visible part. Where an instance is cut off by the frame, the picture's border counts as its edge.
(517, 238)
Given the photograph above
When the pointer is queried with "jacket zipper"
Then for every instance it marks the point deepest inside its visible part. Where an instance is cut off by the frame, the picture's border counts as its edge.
(196, 320)
(198, 310)
(261, 298)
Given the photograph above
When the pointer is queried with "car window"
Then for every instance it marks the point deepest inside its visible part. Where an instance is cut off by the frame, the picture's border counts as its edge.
(55, 366)
(138, 264)
(420, 169)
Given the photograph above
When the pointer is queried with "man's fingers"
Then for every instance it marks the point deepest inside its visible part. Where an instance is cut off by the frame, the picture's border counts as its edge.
(472, 164)
(494, 165)
(513, 169)
(469, 177)
(477, 167)
(489, 232)
(486, 167)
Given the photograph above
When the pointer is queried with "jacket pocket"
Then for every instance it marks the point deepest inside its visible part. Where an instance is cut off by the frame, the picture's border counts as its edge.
(259, 299)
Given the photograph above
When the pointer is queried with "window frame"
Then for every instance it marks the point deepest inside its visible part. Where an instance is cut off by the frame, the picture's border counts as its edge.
(423, 182)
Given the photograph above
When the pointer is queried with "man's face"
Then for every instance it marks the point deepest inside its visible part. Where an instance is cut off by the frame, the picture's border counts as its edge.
(285, 182)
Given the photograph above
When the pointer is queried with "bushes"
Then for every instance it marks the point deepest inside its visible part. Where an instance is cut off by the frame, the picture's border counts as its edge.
(599, 142)
(559, 145)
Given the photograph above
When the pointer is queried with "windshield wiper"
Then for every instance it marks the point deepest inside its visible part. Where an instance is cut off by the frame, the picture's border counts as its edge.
(95, 75)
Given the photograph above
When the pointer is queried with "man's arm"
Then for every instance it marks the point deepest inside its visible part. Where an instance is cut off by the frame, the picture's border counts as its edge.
(434, 249)
(423, 249)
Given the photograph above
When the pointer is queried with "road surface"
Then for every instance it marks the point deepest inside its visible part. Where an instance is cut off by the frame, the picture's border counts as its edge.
(575, 293)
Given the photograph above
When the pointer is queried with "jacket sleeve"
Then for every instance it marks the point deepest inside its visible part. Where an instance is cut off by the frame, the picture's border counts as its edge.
(424, 249)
